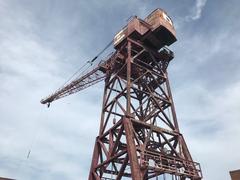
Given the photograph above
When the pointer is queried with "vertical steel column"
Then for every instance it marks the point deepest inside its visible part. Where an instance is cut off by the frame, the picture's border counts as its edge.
(172, 104)
(131, 148)
(128, 79)
(96, 152)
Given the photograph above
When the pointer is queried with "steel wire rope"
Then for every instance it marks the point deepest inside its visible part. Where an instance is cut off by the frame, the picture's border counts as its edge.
(25, 160)
(90, 63)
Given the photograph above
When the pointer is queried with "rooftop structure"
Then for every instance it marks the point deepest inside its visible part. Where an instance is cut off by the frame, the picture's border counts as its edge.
(235, 175)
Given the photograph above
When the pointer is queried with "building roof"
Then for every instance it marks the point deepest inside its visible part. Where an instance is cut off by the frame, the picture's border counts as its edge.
(2, 178)
(235, 175)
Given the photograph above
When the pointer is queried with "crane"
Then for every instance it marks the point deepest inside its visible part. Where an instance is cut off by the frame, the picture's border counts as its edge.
(87, 79)
(139, 136)
(97, 74)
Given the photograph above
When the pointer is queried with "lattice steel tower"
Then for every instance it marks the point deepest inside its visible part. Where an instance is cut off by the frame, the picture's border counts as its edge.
(139, 136)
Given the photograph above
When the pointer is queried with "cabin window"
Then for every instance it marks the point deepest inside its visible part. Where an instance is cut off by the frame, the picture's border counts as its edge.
(167, 18)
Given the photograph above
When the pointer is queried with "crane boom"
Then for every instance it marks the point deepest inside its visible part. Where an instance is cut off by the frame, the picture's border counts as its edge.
(152, 31)
(89, 78)
(76, 85)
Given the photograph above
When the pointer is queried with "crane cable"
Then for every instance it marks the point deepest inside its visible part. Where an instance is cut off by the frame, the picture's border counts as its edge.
(24, 162)
(90, 62)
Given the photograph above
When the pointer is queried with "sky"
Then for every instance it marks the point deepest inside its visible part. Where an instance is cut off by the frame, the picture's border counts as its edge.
(42, 43)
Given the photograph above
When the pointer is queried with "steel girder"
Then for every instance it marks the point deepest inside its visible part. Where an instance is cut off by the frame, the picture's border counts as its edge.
(139, 137)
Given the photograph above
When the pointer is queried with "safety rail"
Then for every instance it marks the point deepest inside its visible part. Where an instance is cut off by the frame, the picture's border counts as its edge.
(173, 165)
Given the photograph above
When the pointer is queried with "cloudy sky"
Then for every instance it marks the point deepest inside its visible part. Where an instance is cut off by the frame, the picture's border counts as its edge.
(44, 42)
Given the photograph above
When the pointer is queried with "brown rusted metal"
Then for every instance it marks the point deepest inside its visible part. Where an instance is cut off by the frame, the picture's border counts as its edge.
(2, 178)
(235, 175)
(156, 30)
(139, 136)
(89, 79)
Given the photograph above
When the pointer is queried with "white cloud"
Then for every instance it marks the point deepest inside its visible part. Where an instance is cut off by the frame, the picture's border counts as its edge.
(196, 11)
(207, 102)
(210, 122)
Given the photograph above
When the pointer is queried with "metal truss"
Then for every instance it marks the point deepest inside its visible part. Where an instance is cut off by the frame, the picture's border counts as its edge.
(139, 137)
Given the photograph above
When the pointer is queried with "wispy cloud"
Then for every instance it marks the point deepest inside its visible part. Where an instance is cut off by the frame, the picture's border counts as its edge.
(196, 10)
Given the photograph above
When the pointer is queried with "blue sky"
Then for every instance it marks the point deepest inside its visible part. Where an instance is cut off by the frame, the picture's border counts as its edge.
(44, 42)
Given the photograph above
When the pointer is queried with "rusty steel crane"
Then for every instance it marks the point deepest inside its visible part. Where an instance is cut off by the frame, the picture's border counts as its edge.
(139, 136)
